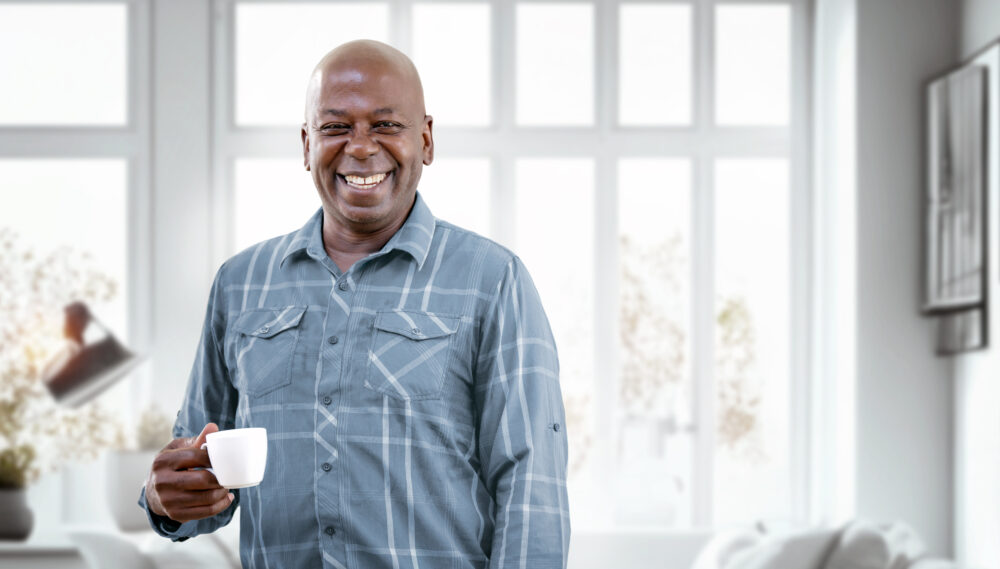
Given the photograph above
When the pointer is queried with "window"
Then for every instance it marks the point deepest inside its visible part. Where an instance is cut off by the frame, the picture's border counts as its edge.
(74, 164)
(648, 152)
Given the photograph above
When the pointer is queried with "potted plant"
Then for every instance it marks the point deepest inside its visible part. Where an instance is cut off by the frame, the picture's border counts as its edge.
(36, 434)
(128, 464)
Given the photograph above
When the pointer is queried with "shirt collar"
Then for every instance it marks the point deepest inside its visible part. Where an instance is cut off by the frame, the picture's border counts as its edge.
(414, 237)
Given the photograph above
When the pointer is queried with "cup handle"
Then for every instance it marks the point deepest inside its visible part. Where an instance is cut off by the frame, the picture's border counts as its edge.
(203, 447)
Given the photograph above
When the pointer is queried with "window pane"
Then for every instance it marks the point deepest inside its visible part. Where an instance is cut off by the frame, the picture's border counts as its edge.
(458, 191)
(555, 64)
(272, 197)
(277, 46)
(752, 472)
(655, 65)
(752, 48)
(75, 204)
(554, 230)
(654, 395)
(63, 64)
(454, 99)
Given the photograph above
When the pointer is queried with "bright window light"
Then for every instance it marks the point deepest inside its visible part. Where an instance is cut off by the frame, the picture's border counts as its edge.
(555, 64)
(451, 41)
(278, 44)
(654, 448)
(654, 63)
(753, 69)
(272, 197)
(75, 205)
(752, 237)
(63, 64)
(457, 190)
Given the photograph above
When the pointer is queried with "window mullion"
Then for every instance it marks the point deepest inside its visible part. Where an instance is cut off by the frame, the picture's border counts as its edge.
(702, 273)
(400, 25)
(801, 381)
(606, 265)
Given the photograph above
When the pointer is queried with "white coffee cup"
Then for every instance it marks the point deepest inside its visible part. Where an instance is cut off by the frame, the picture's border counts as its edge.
(238, 456)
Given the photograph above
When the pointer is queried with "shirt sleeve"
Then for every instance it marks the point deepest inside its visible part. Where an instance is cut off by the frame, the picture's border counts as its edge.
(522, 436)
(210, 398)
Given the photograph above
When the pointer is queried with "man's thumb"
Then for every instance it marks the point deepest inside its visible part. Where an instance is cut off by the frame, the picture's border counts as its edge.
(200, 439)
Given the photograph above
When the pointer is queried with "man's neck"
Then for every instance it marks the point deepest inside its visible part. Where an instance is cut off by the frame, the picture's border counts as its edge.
(345, 246)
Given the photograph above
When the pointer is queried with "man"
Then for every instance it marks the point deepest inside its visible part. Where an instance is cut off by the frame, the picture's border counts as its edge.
(403, 367)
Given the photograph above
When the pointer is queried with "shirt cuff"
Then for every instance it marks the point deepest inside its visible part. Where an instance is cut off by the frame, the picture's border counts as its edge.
(163, 525)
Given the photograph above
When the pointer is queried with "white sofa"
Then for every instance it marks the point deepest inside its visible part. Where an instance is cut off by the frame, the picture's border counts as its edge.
(856, 545)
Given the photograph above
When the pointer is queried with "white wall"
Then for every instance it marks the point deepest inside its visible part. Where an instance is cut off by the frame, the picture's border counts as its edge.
(182, 266)
(904, 394)
(980, 25)
(977, 383)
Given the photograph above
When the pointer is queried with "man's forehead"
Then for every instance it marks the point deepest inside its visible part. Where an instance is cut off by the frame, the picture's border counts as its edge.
(344, 112)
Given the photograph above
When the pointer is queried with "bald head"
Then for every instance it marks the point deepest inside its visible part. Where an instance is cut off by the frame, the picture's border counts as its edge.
(365, 60)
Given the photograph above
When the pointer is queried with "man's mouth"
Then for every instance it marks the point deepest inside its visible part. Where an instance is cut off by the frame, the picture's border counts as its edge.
(364, 182)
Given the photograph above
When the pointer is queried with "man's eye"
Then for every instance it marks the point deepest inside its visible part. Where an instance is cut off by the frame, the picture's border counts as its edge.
(387, 126)
(334, 128)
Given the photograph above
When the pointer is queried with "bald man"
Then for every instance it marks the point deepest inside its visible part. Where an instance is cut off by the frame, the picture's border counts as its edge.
(403, 367)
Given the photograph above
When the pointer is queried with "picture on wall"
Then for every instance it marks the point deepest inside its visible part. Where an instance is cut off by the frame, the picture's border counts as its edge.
(955, 201)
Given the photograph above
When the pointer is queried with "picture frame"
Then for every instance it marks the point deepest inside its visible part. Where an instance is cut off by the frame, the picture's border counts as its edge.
(962, 187)
(955, 191)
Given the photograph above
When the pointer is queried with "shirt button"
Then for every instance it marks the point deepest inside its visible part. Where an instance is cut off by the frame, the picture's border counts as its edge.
(555, 427)
(416, 331)
(329, 530)
(327, 400)
(333, 339)
(342, 285)
(326, 467)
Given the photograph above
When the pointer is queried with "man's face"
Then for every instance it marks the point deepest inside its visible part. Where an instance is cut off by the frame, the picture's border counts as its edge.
(365, 140)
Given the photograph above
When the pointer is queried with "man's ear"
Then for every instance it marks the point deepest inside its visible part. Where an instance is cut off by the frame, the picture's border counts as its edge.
(305, 146)
(428, 137)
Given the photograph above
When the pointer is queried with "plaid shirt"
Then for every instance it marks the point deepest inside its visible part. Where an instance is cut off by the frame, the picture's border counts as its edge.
(412, 404)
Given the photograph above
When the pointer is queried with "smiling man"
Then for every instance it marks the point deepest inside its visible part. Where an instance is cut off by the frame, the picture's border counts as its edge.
(403, 366)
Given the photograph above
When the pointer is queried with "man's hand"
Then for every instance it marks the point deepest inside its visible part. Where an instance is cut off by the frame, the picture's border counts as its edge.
(179, 493)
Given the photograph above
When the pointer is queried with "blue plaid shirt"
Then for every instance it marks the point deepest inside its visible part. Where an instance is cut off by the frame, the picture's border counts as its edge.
(412, 404)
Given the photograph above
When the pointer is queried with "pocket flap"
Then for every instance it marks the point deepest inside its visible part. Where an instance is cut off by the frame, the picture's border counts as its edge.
(416, 325)
(266, 322)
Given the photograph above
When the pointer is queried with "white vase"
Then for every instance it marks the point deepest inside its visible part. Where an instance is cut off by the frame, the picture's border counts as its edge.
(126, 475)
(17, 519)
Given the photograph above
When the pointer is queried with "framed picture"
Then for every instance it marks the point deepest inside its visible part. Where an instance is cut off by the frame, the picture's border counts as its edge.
(962, 215)
(956, 223)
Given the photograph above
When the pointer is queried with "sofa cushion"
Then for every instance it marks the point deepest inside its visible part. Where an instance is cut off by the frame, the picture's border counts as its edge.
(724, 545)
(867, 545)
(796, 550)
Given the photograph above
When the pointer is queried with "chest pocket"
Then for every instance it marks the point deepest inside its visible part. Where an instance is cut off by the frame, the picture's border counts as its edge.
(410, 353)
(265, 347)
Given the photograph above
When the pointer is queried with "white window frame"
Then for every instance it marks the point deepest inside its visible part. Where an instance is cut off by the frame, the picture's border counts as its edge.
(605, 142)
(130, 142)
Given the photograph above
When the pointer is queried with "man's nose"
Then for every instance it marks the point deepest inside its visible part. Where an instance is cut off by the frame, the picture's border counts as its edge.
(361, 146)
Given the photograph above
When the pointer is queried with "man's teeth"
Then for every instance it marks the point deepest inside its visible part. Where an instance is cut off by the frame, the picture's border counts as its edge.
(365, 182)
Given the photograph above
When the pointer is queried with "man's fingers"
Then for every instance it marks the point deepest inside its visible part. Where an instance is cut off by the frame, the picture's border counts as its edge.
(188, 480)
(198, 499)
(199, 512)
(197, 441)
(200, 439)
(181, 459)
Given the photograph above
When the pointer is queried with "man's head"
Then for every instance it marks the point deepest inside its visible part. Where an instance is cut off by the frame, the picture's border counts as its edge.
(366, 136)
